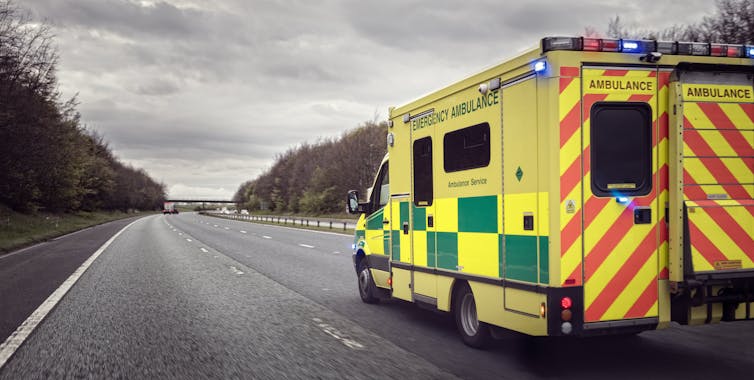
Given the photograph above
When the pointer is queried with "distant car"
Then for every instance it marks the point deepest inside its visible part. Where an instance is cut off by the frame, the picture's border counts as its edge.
(244, 212)
(165, 212)
(174, 211)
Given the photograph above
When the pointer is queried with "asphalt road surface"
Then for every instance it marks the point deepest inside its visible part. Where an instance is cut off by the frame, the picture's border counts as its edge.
(189, 296)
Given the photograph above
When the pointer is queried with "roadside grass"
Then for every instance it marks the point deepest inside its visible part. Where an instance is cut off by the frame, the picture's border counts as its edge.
(20, 230)
(337, 230)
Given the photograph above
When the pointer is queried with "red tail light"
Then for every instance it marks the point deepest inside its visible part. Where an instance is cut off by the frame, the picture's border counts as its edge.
(566, 302)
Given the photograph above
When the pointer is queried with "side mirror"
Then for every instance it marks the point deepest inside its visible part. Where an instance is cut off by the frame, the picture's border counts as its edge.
(353, 206)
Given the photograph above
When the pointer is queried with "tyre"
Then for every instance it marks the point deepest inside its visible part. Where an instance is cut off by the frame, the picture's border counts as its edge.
(473, 333)
(367, 288)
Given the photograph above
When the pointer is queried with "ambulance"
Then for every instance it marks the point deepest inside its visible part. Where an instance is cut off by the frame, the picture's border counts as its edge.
(587, 187)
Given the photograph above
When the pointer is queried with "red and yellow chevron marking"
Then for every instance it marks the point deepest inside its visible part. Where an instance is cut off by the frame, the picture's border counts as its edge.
(620, 258)
(718, 149)
(721, 231)
(570, 175)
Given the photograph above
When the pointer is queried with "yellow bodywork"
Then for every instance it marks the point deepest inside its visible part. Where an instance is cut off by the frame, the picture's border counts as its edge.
(527, 221)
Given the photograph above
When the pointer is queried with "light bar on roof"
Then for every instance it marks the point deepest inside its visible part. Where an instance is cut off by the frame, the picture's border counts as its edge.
(647, 46)
(693, 48)
(562, 43)
(667, 47)
(638, 46)
(735, 51)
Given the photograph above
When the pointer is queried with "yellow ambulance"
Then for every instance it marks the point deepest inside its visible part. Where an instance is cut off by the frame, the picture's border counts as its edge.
(587, 187)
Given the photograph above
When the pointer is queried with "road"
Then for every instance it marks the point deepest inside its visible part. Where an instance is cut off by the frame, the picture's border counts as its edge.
(189, 296)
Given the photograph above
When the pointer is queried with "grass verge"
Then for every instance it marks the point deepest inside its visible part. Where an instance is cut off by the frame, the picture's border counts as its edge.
(20, 230)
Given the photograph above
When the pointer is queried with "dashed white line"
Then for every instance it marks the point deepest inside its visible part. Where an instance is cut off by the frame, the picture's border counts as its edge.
(243, 232)
(236, 270)
(336, 252)
(227, 228)
(266, 237)
(215, 225)
(180, 234)
(204, 250)
(188, 239)
(306, 245)
(333, 332)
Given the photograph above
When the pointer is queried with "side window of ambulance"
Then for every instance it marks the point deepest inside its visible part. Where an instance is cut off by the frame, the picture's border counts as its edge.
(621, 148)
(381, 189)
(423, 192)
(467, 148)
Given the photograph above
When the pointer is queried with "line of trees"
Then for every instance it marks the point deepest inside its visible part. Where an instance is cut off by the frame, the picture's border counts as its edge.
(732, 22)
(48, 159)
(314, 178)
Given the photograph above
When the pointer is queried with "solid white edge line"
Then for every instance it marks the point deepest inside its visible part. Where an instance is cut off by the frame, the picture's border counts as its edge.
(15, 340)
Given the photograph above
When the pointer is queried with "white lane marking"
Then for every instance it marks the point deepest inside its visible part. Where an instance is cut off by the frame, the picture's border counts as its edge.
(333, 332)
(227, 228)
(215, 225)
(266, 237)
(188, 239)
(236, 270)
(180, 234)
(15, 340)
(336, 252)
(306, 245)
(243, 232)
(204, 250)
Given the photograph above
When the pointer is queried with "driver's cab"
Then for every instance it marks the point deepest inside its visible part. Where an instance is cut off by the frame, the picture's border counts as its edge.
(379, 194)
(373, 228)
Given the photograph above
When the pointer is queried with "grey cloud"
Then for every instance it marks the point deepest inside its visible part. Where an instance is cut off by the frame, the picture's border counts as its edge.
(127, 18)
(158, 86)
(204, 94)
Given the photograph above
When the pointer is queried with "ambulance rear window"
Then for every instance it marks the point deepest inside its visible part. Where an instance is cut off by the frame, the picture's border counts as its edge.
(467, 148)
(621, 149)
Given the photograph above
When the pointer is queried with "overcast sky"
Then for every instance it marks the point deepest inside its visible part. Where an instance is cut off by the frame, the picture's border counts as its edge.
(203, 94)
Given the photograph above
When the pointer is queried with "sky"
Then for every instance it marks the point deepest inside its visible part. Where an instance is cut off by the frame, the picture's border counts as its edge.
(204, 94)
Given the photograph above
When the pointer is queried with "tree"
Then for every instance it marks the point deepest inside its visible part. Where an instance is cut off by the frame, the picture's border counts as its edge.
(47, 159)
(314, 178)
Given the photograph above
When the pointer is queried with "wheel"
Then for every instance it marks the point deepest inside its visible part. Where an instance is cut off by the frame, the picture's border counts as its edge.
(367, 288)
(473, 333)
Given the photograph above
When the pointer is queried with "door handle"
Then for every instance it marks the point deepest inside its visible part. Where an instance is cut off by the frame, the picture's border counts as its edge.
(385, 221)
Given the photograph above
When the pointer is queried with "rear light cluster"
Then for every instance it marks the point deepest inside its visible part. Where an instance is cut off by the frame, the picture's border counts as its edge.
(565, 315)
(647, 46)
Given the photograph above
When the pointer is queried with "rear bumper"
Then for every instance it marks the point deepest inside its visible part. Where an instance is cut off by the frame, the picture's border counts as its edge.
(722, 295)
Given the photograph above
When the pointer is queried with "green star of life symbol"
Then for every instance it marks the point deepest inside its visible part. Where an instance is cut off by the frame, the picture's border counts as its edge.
(519, 174)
